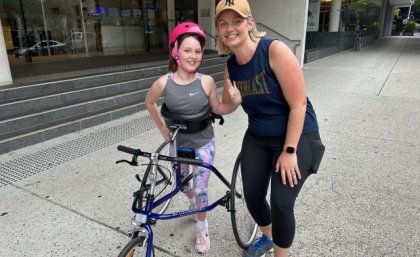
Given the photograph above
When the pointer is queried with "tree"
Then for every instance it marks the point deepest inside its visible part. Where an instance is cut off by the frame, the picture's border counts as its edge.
(397, 12)
(359, 7)
(362, 10)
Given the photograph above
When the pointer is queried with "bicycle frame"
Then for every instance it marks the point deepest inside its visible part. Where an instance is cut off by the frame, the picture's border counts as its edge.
(143, 217)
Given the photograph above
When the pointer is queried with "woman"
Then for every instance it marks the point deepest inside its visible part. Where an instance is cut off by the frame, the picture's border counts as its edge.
(282, 143)
(187, 92)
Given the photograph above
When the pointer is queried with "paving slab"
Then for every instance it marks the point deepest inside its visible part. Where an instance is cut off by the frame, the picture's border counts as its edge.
(34, 225)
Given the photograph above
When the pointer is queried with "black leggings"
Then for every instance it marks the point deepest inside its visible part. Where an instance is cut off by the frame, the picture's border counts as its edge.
(258, 159)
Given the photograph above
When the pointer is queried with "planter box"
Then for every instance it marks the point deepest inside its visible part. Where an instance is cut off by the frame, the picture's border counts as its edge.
(396, 33)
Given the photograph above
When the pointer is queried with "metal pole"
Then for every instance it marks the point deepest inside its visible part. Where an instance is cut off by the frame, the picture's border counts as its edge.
(28, 57)
(124, 30)
(84, 26)
(45, 28)
(409, 10)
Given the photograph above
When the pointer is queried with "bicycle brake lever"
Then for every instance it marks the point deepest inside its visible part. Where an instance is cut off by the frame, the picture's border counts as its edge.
(138, 177)
(132, 163)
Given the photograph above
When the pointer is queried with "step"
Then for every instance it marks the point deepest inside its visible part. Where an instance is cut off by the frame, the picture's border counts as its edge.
(50, 88)
(23, 115)
(320, 52)
(70, 126)
(38, 136)
(17, 93)
(38, 104)
(62, 107)
(41, 120)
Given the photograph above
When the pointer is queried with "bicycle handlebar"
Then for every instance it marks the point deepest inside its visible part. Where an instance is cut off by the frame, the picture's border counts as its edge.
(129, 150)
(138, 152)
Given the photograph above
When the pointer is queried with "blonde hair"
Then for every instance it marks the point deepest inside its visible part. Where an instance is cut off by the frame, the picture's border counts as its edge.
(254, 34)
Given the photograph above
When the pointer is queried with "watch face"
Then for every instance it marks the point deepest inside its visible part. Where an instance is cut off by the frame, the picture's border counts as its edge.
(290, 149)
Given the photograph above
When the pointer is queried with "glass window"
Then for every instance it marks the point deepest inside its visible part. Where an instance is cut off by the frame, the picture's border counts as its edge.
(84, 27)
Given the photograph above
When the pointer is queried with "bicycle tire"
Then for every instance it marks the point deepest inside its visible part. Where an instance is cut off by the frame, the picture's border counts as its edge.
(137, 247)
(165, 181)
(243, 225)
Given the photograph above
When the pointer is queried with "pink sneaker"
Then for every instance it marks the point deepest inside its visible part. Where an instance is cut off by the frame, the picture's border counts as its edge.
(202, 240)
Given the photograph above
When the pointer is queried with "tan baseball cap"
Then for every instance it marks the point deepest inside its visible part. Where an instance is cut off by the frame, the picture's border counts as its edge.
(239, 6)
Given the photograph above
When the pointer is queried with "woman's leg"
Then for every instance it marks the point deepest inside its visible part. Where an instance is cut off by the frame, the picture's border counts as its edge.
(280, 252)
(283, 198)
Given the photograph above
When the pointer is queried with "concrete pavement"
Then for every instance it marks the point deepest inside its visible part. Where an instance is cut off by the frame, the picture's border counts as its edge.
(70, 199)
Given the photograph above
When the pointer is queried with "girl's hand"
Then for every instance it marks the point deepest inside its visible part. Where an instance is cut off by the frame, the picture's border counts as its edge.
(289, 170)
(234, 93)
(165, 133)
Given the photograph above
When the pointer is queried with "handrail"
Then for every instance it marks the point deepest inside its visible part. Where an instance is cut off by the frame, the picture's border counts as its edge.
(210, 35)
(295, 42)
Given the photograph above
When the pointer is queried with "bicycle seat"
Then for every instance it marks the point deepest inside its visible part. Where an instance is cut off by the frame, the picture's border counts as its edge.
(194, 122)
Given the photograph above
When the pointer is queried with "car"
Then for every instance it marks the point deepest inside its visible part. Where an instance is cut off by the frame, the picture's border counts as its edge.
(41, 48)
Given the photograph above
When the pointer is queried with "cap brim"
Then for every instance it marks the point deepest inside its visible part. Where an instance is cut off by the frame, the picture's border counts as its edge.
(232, 9)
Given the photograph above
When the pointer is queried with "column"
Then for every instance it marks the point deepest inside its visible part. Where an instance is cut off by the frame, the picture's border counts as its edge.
(383, 18)
(206, 12)
(335, 12)
(170, 5)
(5, 74)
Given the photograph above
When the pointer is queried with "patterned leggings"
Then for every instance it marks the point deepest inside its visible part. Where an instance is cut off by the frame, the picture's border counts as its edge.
(205, 153)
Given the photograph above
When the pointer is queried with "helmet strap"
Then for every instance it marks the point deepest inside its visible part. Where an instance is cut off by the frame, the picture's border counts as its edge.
(174, 52)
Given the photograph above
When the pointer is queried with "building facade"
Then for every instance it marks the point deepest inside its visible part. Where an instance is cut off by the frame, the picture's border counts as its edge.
(34, 30)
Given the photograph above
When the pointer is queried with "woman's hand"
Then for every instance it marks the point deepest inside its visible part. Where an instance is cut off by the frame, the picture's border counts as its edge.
(289, 170)
(234, 93)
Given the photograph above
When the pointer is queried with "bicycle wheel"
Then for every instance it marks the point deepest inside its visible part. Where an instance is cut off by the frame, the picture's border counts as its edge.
(244, 226)
(137, 247)
(165, 181)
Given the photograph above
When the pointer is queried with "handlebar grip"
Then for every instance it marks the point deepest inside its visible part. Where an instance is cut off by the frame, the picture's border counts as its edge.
(189, 161)
(127, 149)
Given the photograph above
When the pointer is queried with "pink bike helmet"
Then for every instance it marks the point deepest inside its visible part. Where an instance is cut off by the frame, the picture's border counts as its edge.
(180, 29)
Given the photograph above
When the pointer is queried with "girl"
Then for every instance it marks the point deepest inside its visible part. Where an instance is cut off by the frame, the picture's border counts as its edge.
(187, 92)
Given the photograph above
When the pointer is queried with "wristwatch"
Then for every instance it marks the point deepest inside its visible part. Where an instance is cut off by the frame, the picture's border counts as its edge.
(290, 149)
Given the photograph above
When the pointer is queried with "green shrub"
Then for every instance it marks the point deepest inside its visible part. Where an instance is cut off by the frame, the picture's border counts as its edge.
(410, 27)
(399, 26)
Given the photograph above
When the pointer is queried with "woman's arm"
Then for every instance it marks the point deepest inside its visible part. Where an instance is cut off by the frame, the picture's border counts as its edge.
(290, 77)
(156, 91)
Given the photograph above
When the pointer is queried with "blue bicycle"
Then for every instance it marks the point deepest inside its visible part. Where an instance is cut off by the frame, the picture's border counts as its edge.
(158, 186)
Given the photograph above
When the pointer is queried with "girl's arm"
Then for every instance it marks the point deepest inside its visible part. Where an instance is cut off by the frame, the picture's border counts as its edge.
(154, 93)
(228, 105)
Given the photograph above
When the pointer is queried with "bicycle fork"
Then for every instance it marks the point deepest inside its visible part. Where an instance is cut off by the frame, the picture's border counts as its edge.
(142, 221)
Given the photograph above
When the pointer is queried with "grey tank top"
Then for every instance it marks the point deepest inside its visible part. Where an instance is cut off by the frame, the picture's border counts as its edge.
(188, 99)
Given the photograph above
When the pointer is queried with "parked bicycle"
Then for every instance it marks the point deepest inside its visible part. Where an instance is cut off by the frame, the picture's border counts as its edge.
(160, 184)
(357, 41)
